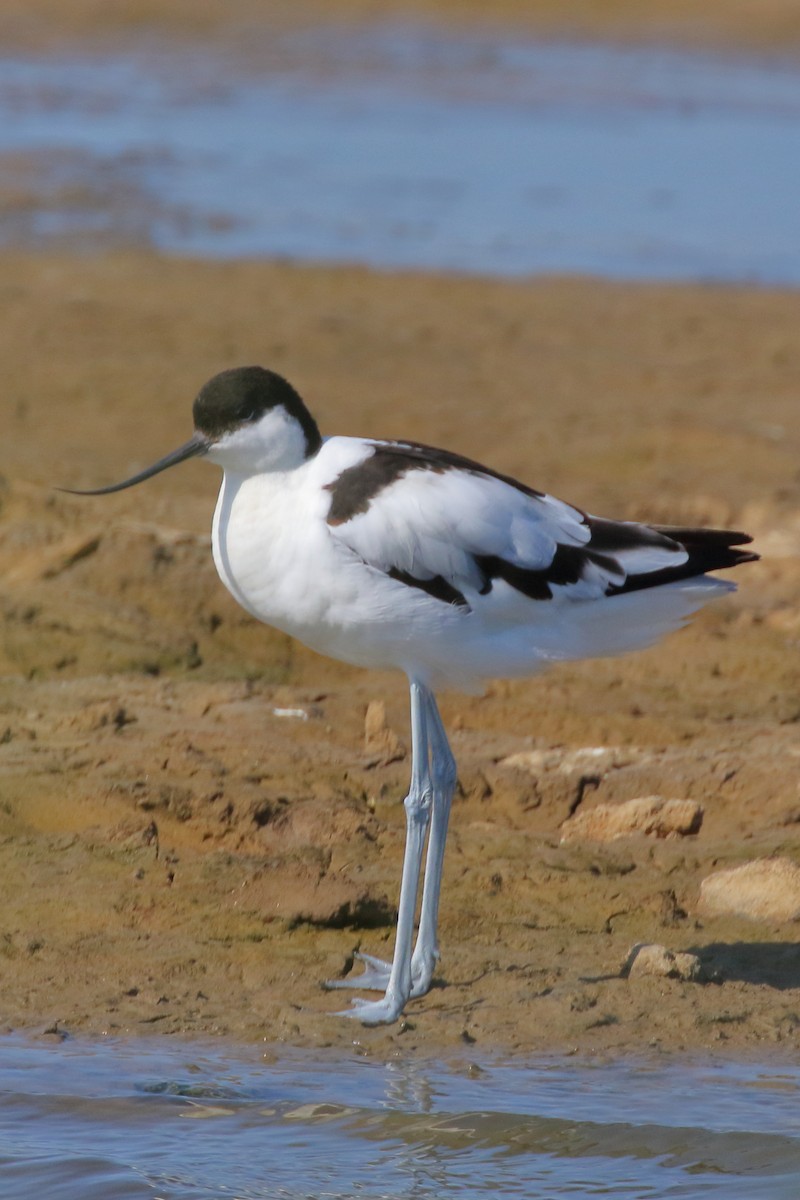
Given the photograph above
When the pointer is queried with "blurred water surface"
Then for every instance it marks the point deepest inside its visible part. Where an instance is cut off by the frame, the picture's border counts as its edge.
(399, 147)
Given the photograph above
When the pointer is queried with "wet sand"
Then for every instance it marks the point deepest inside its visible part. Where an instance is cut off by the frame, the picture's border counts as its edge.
(193, 832)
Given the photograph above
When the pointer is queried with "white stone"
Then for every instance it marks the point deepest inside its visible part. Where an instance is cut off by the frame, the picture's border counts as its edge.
(652, 959)
(651, 816)
(594, 760)
(766, 889)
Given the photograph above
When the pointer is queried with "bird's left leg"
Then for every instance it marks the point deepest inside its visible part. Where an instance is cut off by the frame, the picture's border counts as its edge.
(418, 810)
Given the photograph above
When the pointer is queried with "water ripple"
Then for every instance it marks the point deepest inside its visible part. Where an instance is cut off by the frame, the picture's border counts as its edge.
(185, 1123)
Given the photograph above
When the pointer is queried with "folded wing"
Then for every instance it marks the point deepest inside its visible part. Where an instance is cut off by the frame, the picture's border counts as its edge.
(456, 530)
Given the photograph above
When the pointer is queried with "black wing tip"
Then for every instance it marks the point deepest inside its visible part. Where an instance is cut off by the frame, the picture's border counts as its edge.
(705, 554)
(711, 549)
(748, 555)
(701, 535)
(733, 558)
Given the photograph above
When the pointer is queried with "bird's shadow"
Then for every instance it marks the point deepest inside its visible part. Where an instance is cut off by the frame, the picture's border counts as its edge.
(773, 964)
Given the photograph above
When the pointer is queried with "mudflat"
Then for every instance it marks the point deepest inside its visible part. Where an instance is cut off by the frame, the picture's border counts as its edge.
(771, 25)
(199, 822)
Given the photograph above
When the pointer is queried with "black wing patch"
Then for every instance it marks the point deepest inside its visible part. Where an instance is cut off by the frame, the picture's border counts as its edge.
(353, 490)
(438, 587)
(567, 566)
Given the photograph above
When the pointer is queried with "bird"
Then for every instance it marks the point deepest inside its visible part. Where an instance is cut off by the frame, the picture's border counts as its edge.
(395, 554)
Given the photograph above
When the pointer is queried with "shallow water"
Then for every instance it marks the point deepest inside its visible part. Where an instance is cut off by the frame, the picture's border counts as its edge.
(185, 1122)
(398, 147)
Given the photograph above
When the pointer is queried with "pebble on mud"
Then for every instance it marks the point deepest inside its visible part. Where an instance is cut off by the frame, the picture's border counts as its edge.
(650, 815)
(381, 743)
(766, 889)
(595, 759)
(653, 959)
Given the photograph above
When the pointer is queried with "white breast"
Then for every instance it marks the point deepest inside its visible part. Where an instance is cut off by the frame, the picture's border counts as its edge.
(274, 551)
(268, 543)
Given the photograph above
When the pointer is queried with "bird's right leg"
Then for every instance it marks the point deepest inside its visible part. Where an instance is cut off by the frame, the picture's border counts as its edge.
(444, 777)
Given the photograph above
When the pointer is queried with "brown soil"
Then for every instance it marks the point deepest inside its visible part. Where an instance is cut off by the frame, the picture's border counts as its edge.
(180, 851)
(765, 25)
(178, 855)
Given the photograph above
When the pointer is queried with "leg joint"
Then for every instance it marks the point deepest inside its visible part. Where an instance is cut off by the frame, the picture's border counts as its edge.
(418, 802)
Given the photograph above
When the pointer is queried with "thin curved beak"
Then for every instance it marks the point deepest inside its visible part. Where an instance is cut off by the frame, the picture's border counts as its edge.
(198, 444)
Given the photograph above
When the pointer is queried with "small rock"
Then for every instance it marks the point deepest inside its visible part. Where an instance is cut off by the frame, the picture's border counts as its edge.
(766, 889)
(596, 760)
(380, 741)
(652, 959)
(650, 815)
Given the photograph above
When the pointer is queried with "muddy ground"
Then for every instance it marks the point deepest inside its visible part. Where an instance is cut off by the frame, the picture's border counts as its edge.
(193, 831)
(762, 25)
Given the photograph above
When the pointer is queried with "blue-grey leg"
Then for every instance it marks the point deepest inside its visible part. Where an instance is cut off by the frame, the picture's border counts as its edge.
(442, 782)
(418, 804)
(443, 785)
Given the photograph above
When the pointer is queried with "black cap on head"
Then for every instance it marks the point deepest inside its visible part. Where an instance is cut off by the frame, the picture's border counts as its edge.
(242, 395)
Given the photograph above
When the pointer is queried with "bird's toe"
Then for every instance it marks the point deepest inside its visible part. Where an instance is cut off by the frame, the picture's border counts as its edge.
(374, 977)
(373, 1012)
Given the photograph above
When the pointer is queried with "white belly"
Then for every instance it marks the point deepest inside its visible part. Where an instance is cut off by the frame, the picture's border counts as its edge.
(274, 553)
